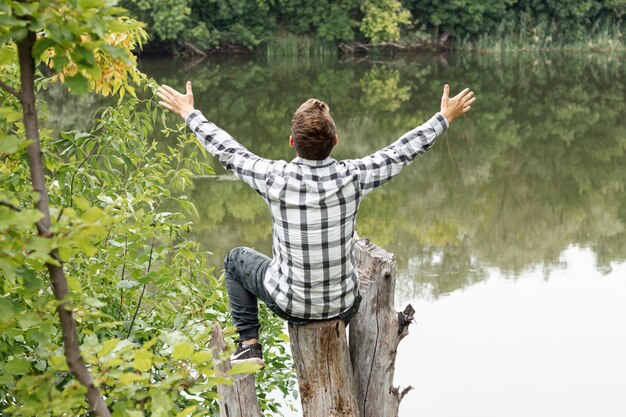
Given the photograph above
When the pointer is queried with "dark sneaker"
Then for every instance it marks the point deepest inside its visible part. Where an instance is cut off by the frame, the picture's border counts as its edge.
(248, 353)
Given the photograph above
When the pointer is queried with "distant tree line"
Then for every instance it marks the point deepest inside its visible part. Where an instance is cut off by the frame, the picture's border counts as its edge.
(250, 24)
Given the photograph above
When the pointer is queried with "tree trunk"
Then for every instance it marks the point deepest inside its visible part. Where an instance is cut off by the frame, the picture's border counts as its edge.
(320, 352)
(240, 398)
(359, 383)
(375, 333)
(57, 276)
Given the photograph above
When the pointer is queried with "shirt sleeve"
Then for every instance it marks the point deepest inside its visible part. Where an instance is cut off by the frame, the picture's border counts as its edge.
(381, 166)
(233, 156)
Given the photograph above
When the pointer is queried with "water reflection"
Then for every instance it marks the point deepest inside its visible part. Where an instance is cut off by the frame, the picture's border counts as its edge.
(537, 167)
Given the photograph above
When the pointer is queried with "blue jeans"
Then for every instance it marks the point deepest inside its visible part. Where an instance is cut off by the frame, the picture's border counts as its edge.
(245, 271)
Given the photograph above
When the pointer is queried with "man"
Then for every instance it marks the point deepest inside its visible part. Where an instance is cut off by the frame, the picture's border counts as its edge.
(314, 200)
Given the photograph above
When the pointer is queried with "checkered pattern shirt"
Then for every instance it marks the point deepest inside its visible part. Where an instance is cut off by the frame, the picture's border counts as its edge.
(314, 204)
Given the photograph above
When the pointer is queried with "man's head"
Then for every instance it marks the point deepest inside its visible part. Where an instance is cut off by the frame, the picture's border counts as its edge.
(313, 132)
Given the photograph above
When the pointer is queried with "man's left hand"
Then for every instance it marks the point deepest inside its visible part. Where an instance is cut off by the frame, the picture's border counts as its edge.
(171, 99)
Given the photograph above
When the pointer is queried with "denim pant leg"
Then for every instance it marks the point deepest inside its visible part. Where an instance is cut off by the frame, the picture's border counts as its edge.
(245, 270)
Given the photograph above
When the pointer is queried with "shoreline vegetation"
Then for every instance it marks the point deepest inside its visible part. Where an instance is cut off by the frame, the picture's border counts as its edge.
(609, 42)
(609, 38)
(378, 27)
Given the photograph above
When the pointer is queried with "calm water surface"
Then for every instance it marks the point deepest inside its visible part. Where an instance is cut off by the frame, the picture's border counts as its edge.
(509, 234)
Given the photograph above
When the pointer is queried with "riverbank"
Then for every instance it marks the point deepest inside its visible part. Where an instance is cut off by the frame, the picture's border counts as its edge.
(610, 39)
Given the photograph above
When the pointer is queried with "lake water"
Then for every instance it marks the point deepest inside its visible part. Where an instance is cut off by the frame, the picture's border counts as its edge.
(510, 233)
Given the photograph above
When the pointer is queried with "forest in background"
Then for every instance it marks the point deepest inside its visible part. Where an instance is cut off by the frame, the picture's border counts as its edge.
(245, 25)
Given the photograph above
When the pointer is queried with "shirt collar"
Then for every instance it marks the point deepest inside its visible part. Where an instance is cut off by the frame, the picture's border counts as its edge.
(313, 162)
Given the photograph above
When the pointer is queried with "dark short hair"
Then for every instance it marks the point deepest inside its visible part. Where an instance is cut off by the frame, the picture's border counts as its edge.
(313, 130)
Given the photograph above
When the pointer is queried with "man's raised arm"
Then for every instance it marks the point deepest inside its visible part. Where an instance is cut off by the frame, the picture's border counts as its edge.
(379, 167)
(232, 155)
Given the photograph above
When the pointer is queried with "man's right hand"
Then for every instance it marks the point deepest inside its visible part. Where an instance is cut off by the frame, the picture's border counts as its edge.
(451, 108)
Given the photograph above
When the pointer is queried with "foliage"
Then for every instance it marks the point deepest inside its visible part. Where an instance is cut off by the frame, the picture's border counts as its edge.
(255, 23)
(140, 287)
(460, 18)
(559, 21)
(169, 18)
(382, 20)
(329, 20)
(83, 42)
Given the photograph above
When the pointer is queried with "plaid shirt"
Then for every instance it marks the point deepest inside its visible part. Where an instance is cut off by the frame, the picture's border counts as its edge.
(314, 204)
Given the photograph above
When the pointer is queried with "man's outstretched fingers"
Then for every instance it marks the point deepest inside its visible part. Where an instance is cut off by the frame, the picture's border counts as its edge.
(170, 90)
(165, 104)
(468, 97)
(462, 93)
(164, 96)
(163, 92)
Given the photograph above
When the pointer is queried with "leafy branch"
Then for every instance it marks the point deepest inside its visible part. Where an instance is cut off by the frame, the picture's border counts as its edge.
(10, 90)
(10, 205)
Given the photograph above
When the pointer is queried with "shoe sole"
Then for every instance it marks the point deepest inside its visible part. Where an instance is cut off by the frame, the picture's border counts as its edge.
(256, 361)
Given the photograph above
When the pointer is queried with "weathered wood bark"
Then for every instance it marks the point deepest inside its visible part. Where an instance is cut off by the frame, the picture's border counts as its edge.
(240, 398)
(320, 352)
(57, 276)
(375, 333)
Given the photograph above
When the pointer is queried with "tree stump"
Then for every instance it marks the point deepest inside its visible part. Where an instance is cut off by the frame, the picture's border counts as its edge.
(375, 333)
(320, 352)
(240, 398)
(336, 380)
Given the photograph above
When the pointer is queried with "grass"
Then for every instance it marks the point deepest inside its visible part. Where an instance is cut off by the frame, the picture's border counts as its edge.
(528, 35)
(286, 44)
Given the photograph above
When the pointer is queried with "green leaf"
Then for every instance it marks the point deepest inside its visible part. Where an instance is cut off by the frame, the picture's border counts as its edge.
(148, 344)
(59, 362)
(83, 56)
(77, 84)
(8, 309)
(127, 283)
(31, 281)
(12, 22)
(187, 412)
(41, 45)
(182, 350)
(129, 377)
(29, 320)
(244, 368)
(7, 54)
(94, 302)
(74, 284)
(24, 219)
(21, 9)
(105, 199)
(41, 244)
(11, 144)
(18, 34)
(93, 214)
(107, 347)
(88, 4)
(17, 366)
(11, 115)
(161, 404)
(201, 357)
(6, 380)
(142, 360)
